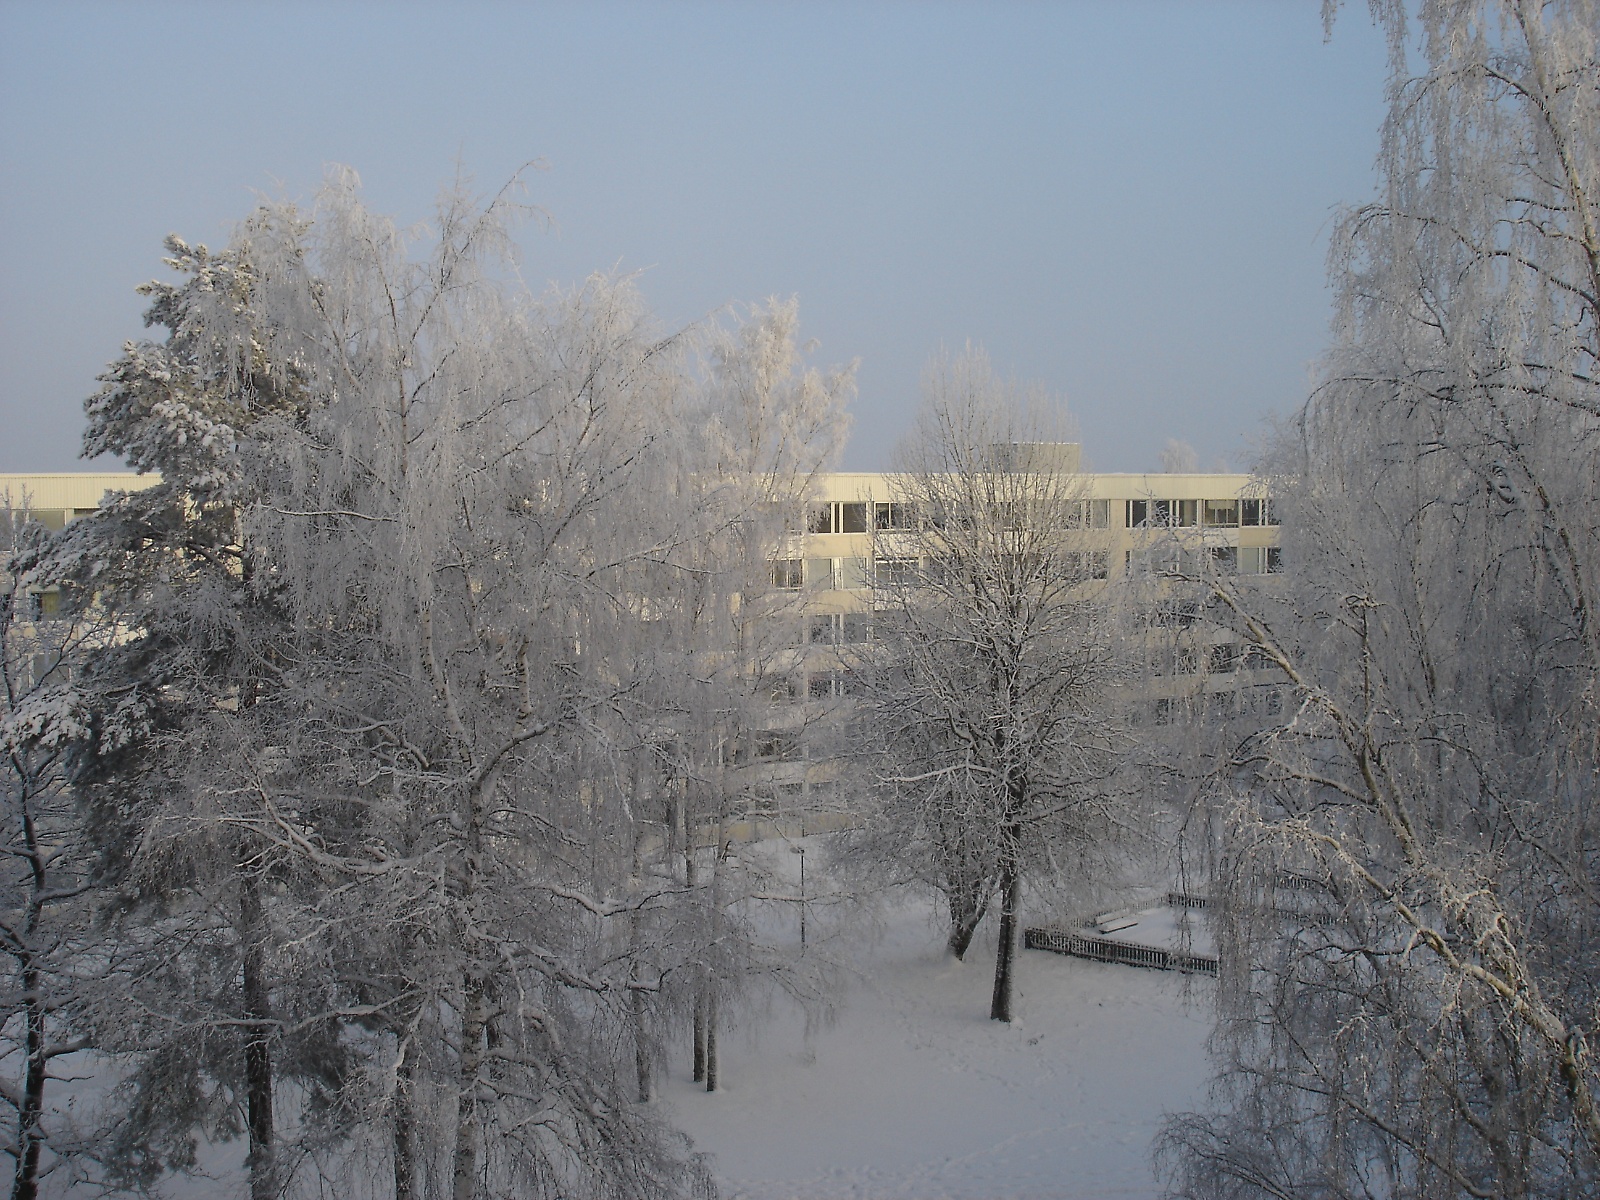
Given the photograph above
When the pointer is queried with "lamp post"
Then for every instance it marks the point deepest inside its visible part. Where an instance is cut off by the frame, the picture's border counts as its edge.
(801, 851)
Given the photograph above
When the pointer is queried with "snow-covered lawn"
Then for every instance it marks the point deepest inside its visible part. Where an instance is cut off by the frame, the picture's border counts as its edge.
(913, 1093)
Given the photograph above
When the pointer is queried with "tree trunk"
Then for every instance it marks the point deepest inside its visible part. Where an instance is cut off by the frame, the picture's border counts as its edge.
(699, 1035)
(30, 1137)
(1005, 953)
(464, 1171)
(641, 1050)
(637, 1007)
(967, 906)
(258, 1041)
(474, 1012)
(637, 1011)
(405, 1183)
(711, 1037)
(30, 1134)
(691, 879)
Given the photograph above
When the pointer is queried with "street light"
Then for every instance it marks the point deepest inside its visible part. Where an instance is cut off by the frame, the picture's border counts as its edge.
(801, 851)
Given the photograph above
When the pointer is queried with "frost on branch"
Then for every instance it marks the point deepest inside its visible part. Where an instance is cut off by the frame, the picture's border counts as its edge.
(400, 748)
(1408, 854)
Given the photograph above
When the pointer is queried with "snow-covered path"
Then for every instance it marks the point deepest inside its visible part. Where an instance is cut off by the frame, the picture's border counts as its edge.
(915, 1094)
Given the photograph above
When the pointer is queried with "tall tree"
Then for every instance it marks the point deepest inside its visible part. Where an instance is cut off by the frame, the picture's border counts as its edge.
(53, 961)
(200, 628)
(450, 531)
(1409, 859)
(989, 686)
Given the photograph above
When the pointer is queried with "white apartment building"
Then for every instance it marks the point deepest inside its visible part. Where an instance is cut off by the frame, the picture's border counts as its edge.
(822, 586)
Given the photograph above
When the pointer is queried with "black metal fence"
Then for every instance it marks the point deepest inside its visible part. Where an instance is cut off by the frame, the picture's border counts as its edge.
(1129, 953)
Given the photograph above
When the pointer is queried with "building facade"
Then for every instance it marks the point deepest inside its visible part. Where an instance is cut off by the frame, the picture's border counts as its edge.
(819, 610)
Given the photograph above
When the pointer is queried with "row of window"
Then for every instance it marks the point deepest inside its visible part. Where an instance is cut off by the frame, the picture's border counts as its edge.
(1167, 559)
(1221, 659)
(1262, 701)
(863, 516)
(890, 571)
(853, 574)
(1189, 514)
(853, 516)
(839, 629)
(791, 797)
(822, 629)
(815, 685)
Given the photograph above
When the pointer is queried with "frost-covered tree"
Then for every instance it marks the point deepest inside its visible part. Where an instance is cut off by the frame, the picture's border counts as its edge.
(1178, 457)
(53, 964)
(772, 427)
(989, 685)
(198, 646)
(403, 655)
(1411, 986)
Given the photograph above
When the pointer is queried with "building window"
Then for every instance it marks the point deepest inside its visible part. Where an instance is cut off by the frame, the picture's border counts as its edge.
(1089, 514)
(1257, 512)
(852, 573)
(896, 572)
(1178, 614)
(833, 684)
(1163, 514)
(841, 629)
(1264, 700)
(895, 515)
(1225, 559)
(834, 517)
(1089, 564)
(819, 574)
(759, 806)
(1260, 560)
(1222, 513)
(776, 745)
(788, 573)
(1173, 660)
(1224, 658)
(1163, 558)
(778, 689)
(855, 629)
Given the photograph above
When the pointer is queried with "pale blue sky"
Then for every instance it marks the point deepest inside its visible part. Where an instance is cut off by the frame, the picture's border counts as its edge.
(1127, 202)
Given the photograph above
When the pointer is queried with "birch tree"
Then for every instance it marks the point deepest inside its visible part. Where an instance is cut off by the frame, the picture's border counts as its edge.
(770, 425)
(989, 688)
(461, 523)
(1409, 857)
(52, 959)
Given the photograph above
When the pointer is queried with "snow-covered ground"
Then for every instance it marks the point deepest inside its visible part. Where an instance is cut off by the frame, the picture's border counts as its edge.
(913, 1093)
